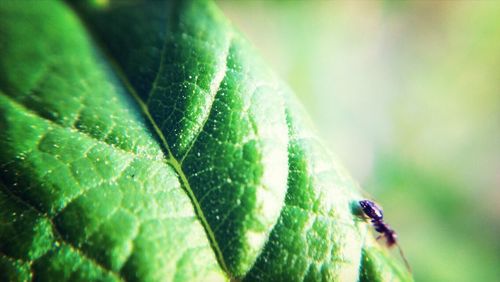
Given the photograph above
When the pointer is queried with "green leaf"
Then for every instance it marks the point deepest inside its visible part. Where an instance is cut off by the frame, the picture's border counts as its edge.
(147, 141)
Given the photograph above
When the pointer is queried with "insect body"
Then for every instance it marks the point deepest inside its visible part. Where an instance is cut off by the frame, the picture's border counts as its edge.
(371, 210)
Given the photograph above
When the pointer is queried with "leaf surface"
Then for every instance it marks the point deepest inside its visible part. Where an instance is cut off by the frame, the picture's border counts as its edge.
(147, 141)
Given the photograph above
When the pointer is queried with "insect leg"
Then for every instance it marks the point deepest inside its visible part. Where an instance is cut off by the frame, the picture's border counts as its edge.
(404, 258)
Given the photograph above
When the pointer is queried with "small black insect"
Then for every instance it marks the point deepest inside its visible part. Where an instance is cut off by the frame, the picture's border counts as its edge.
(374, 212)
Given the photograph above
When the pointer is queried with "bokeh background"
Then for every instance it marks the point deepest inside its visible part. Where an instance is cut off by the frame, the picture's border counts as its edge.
(407, 94)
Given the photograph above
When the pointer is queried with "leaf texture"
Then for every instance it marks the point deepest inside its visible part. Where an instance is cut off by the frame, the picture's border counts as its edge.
(145, 140)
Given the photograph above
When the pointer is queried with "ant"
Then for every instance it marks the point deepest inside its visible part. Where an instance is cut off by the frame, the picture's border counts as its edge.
(376, 215)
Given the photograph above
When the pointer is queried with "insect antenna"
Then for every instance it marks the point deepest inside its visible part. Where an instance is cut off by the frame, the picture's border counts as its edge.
(404, 258)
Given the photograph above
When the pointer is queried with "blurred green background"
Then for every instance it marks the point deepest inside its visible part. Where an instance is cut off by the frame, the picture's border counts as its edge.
(407, 94)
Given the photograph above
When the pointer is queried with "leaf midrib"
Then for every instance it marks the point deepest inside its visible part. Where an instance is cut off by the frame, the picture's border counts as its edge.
(170, 159)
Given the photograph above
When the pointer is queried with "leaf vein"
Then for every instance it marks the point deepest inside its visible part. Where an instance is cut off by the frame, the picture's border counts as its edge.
(33, 112)
(214, 89)
(57, 233)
